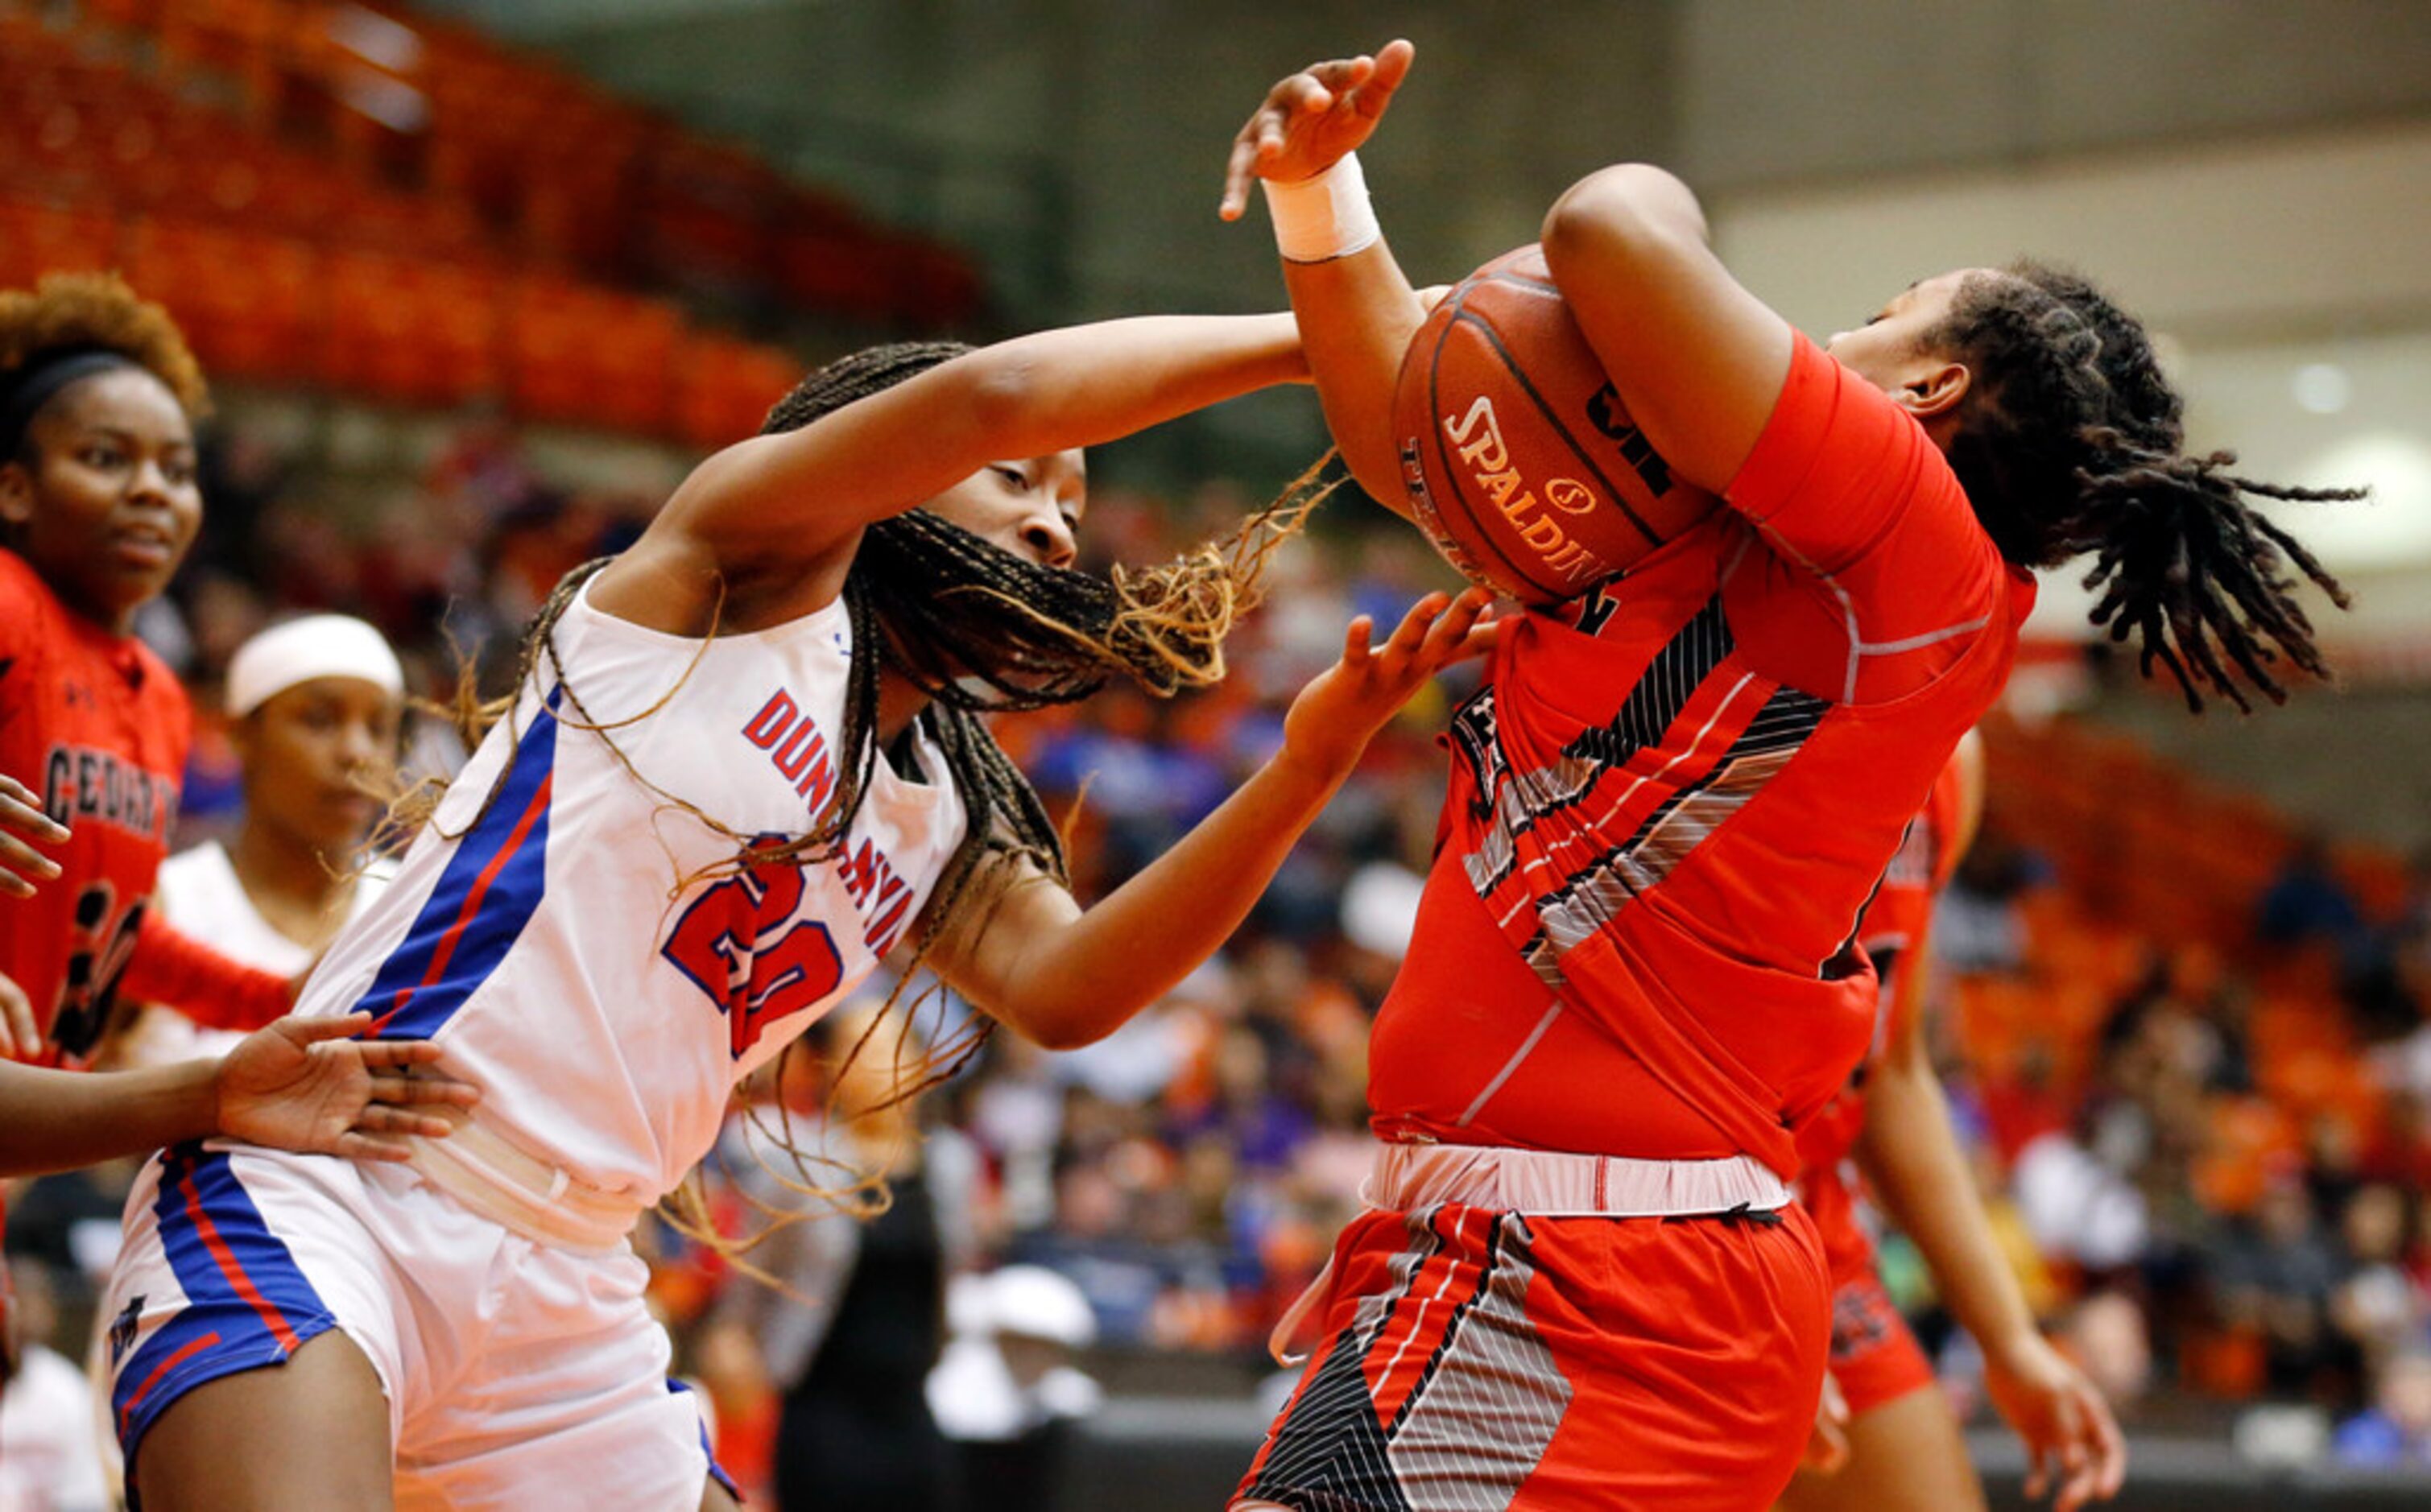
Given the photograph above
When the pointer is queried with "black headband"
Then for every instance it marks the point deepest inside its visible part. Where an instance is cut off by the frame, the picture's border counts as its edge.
(40, 381)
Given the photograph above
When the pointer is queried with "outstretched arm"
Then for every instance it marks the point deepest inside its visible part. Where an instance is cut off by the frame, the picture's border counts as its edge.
(792, 496)
(1063, 977)
(1356, 311)
(299, 1085)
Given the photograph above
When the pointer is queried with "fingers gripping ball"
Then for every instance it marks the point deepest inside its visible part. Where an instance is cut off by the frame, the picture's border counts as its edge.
(1518, 456)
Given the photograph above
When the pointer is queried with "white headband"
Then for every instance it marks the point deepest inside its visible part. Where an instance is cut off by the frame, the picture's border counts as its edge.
(318, 646)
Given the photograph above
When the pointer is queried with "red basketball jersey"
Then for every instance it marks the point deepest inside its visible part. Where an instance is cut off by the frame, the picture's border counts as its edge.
(1670, 804)
(97, 726)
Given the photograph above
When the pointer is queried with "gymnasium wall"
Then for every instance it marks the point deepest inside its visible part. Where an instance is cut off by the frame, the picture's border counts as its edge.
(1099, 126)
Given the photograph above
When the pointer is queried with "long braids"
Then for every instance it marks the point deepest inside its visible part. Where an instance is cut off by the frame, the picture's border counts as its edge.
(2071, 443)
(979, 628)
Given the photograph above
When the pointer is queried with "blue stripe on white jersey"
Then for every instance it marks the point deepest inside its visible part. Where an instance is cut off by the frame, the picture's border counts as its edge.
(489, 891)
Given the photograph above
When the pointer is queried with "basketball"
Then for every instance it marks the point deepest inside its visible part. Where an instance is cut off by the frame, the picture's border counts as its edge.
(1519, 460)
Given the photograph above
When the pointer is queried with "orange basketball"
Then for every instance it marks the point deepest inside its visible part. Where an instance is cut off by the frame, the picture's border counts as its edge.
(1518, 457)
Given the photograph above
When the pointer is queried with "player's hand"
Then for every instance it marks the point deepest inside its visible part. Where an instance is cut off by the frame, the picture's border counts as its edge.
(1827, 1442)
(302, 1084)
(20, 1036)
(2073, 1447)
(22, 822)
(1311, 119)
(1333, 717)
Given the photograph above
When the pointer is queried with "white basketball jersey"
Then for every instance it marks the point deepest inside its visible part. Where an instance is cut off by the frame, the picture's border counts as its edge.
(552, 931)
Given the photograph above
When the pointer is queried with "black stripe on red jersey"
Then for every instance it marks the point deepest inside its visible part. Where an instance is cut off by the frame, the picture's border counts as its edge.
(1687, 660)
(1593, 895)
(1652, 706)
(1328, 1449)
(1471, 734)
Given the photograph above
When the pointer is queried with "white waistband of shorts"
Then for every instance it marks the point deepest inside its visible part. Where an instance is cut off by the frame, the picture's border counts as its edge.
(1543, 1184)
(1559, 1183)
(521, 1192)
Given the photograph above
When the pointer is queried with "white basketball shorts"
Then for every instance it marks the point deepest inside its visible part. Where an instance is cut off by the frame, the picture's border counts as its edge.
(518, 1374)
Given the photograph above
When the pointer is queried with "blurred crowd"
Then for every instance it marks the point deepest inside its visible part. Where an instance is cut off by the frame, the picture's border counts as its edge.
(2196, 1231)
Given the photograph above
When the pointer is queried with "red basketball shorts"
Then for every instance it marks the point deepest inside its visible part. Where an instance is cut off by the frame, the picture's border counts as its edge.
(1875, 1356)
(1481, 1358)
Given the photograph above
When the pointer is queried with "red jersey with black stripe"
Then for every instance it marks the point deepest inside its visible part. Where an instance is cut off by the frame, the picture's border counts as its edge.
(97, 726)
(1673, 796)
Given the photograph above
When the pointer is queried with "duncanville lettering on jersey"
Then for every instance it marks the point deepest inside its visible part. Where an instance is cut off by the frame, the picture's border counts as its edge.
(80, 783)
(794, 744)
(800, 755)
(1479, 436)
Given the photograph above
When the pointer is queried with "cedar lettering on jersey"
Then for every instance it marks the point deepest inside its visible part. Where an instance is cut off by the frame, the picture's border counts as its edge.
(98, 727)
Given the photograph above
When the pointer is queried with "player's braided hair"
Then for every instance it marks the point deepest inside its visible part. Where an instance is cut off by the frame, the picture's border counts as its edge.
(2070, 443)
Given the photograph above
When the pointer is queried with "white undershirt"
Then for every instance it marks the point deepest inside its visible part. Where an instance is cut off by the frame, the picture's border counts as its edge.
(199, 893)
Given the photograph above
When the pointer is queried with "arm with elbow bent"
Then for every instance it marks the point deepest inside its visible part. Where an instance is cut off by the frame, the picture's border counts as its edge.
(1698, 361)
(1064, 976)
(1358, 311)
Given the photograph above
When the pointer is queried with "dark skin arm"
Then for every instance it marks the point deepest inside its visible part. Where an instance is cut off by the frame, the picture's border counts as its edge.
(764, 530)
(1912, 1162)
(1697, 359)
(1064, 976)
(299, 1085)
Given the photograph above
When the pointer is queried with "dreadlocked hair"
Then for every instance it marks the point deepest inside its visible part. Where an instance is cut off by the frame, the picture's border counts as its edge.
(2072, 441)
(975, 628)
(98, 311)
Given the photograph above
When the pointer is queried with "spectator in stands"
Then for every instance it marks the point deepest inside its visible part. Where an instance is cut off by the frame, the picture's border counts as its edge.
(2274, 1277)
(50, 1457)
(2306, 902)
(2073, 1188)
(852, 1335)
(2396, 1430)
(2376, 1304)
(1979, 926)
(1008, 1390)
(314, 706)
(2106, 1336)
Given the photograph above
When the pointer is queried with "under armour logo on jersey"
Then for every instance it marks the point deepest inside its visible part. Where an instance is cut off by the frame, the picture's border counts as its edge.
(122, 1329)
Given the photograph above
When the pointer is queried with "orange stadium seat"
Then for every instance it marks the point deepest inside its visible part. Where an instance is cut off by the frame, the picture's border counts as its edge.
(586, 356)
(414, 331)
(250, 301)
(36, 237)
(282, 235)
(726, 388)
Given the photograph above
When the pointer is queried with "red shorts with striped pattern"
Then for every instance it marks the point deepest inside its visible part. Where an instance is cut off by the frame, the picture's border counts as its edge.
(1485, 1359)
(1875, 1356)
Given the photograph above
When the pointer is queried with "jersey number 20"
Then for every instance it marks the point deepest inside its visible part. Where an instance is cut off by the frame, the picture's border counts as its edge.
(740, 943)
